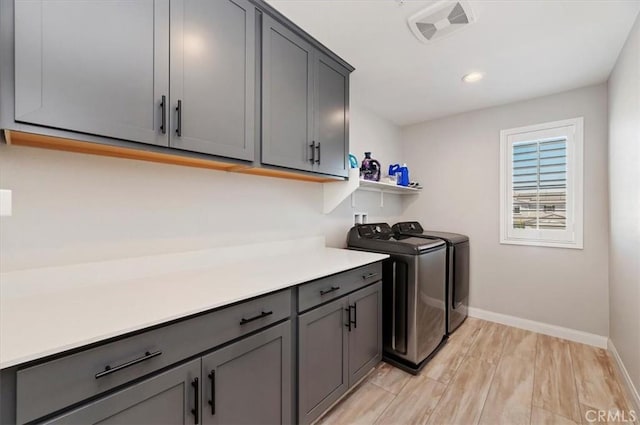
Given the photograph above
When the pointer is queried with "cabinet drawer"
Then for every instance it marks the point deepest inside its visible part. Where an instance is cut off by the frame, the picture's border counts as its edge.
(329, 288)
(51, 386)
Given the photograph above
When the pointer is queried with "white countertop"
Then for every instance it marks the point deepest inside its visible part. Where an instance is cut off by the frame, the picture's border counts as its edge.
(41, 319)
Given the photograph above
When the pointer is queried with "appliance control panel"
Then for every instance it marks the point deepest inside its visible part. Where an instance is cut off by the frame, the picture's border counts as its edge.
(374, 230)
(408, 227)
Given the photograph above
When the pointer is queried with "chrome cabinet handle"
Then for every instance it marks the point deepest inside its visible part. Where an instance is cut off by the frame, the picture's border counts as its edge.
(369, 276)
(259, 316)
(108, 370)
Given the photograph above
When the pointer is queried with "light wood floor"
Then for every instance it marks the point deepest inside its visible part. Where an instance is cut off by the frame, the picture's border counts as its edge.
(490, 374)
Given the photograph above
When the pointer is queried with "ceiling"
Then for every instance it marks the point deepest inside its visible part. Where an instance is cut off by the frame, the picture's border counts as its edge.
(527, 48)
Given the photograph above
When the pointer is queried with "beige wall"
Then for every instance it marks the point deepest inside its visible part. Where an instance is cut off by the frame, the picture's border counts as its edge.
(457, 160)
(624, 204)
(70, 208)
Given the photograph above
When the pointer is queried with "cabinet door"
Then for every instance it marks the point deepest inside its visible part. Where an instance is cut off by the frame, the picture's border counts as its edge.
(249, 382)
(331, 126)
(365, 338)
(287, 91)
(167, 398)
(93, 66)
(322, 356)
(213, 77)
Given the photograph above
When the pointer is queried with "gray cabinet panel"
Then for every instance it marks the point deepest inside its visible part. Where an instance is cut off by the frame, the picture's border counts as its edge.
(93, 66)
(167, 398)
(53, 385)
(322, 354)
(328, 288)
(330, 121)
(249, 382)
(213, 77)
(365, 338)
(287, 92)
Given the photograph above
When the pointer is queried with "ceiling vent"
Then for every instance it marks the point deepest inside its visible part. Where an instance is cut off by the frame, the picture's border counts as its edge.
(441, 20)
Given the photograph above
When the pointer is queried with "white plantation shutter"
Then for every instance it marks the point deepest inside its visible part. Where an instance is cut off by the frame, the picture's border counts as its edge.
(541, 184)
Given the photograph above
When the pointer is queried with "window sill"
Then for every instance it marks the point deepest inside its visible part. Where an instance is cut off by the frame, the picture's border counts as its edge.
(547, 244)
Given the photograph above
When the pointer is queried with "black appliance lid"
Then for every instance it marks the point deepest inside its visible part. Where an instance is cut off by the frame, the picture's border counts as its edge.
(381, 237)
(415, 229)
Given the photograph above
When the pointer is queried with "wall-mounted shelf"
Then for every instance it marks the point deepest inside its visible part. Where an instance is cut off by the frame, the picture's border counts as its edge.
(372, 186)
(336, 192)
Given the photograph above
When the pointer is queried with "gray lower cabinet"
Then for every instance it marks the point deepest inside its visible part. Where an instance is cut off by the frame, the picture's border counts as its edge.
(322, 351)
(213, 77)
(365, 338)
(93, 66)
(249, 382)
(168, 398)
(246, 382)
(338, 343)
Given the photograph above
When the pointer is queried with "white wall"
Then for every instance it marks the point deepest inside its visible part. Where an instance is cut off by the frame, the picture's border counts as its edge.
(368, 132)
(624, 204)
(70, 208)
(457, 159)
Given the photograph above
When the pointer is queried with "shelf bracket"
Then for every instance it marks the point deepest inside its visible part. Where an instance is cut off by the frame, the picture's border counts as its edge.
(336, 192)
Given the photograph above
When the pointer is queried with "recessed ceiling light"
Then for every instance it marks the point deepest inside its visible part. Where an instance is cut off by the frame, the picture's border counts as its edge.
(473, 77)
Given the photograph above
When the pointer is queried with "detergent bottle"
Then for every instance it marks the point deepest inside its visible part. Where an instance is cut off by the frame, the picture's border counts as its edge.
(394, 170)
(403, 179)
(370, 169)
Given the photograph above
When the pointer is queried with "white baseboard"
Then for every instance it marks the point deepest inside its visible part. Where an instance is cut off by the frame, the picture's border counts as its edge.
(540, 327)
(632, 391)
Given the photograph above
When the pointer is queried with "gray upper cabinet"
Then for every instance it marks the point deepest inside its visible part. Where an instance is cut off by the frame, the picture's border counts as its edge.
(224, 78)
(305, 100)
(287, 98)
(168, 398)
(249, 382)
(213, 77)
(93, 66)
(365, 338)
(331, 126)
(322, 353)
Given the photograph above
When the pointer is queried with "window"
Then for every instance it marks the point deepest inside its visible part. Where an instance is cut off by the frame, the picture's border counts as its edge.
(541, 184)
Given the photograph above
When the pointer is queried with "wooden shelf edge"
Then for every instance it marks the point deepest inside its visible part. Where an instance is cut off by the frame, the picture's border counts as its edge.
(19, 138)
(268, 172)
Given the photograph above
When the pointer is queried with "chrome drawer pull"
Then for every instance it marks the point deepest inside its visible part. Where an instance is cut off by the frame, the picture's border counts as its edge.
(369, 276)
(259, 316)
(328, 291)
(109, 370)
